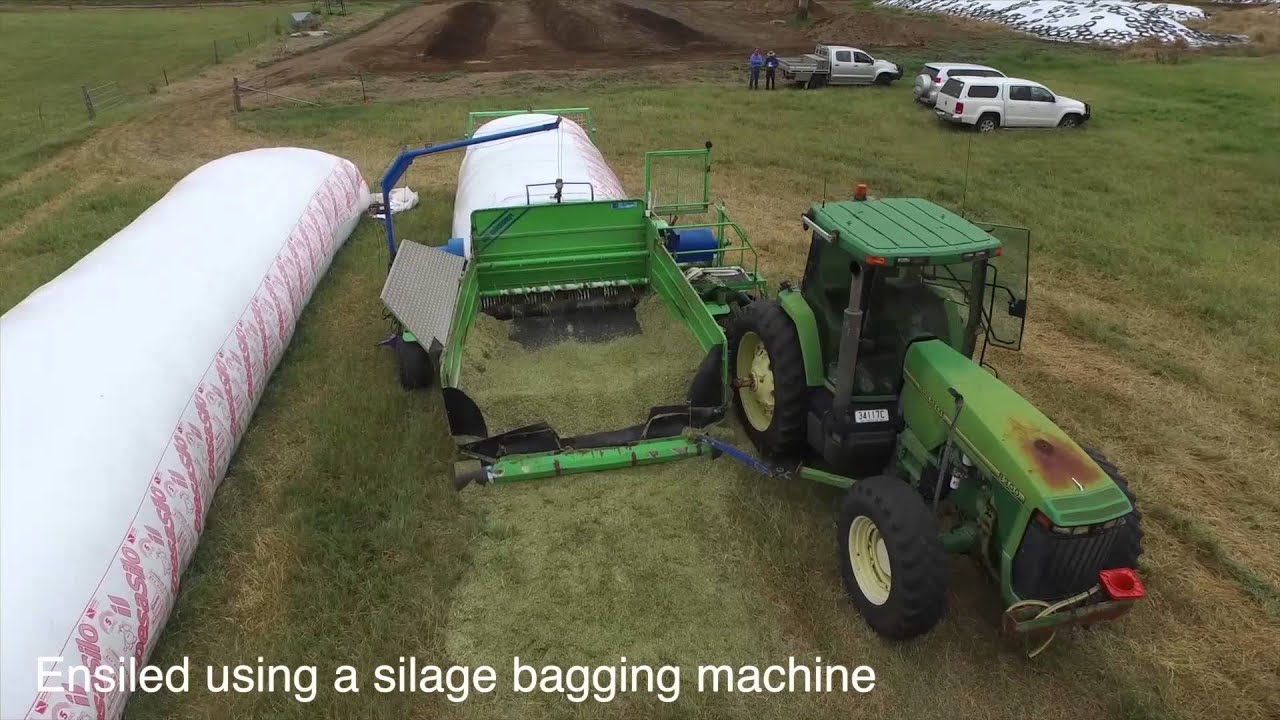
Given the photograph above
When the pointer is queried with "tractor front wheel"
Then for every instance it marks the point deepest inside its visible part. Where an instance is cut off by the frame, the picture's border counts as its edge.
(1128, 546)
(770, 392)
(892, 561)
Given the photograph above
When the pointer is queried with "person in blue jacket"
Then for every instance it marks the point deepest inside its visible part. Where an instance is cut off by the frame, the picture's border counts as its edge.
(770, 70)
(756, 62)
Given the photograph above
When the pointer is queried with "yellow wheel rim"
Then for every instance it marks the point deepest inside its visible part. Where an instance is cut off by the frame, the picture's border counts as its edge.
(755, 377)
(870, 560)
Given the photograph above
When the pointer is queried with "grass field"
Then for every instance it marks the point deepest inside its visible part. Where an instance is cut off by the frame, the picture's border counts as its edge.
(336, 539)
(50, 53)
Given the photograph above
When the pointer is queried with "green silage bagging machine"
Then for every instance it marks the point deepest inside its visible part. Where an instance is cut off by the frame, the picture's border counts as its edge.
(869, 377)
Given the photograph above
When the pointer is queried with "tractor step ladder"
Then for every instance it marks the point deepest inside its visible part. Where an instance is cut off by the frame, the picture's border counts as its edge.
(422, 291)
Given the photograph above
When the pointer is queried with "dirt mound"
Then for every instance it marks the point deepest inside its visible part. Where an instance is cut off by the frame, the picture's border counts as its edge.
(789, 8)
(611, 27)
(668, 30)
(465, 33)
(566, 27)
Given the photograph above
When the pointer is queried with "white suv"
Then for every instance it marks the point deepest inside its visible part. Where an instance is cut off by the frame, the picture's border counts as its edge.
(990, 103)
(935, 74)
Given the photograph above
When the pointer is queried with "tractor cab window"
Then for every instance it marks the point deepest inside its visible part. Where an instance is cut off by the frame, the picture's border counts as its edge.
(1004, 278)
(827, 278)
(1007, 287)
(900, 306)
(951, 282)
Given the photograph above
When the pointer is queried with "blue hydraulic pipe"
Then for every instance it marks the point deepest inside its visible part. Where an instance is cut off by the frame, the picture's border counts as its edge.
(406, 158)
(719, 447)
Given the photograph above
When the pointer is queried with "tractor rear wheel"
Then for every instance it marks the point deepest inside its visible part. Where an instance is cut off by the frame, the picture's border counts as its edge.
(892, 561)
(770, 392)
(1128, 546)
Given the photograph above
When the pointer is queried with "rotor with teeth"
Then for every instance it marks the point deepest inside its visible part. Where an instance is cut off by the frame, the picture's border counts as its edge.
(552, 299)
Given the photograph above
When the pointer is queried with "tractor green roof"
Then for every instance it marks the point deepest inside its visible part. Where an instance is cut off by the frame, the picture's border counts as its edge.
(902, 227)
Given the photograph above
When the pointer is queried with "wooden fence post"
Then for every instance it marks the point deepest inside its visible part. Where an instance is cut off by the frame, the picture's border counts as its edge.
(216, 59)
(166, 76)
(364, 96)
(235, 94)
(88, 101)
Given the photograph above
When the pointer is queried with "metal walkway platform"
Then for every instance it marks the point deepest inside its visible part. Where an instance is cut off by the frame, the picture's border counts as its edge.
(422, 291)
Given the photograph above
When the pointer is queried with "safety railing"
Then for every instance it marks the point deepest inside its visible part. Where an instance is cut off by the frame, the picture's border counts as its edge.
(673, 190)
(733, 248)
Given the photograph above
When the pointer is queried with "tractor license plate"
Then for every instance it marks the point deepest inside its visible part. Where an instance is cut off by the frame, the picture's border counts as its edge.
(866, 416)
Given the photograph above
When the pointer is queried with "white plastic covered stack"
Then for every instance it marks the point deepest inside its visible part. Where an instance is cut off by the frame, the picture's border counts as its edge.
(499, 174)
(125, 386)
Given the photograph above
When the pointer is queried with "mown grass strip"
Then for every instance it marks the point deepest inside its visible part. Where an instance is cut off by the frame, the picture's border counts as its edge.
(17, 203)
(1210, 549)
(57, 242)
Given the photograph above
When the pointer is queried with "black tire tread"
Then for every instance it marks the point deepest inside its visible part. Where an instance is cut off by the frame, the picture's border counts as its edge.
(785, 436)
(1128, 547)
(918, 597)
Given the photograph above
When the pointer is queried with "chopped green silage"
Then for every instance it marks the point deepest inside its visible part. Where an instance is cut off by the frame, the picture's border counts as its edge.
(682, 595)
(580, 387)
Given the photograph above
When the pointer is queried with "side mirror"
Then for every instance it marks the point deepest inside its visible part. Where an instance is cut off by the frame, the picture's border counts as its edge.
(1018, 308)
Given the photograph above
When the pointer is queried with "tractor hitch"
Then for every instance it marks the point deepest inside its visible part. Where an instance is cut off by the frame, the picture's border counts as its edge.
(720, 447)
(1037, 622)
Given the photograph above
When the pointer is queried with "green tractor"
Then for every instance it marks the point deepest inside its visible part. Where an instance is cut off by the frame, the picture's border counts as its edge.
(868, 377)
(871, 370)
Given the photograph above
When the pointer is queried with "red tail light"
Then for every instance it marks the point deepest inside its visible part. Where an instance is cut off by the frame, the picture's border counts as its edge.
(937, 79)
(959, 108)
(1122, 584)
(876, 260)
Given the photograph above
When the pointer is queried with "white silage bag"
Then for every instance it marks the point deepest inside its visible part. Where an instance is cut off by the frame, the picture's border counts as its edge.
(126, 384)
(522, 170)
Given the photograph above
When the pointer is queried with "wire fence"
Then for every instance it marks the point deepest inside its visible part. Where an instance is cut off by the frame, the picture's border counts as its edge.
(98, 98)
(251, 94)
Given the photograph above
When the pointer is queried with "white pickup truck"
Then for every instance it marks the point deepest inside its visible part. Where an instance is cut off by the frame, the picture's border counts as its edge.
(988, 103)
(837, 65)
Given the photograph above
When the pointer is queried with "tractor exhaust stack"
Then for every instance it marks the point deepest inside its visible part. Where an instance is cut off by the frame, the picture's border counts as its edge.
(850, 338)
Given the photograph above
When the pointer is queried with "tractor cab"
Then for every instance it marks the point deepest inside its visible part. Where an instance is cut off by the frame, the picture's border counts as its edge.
(912, 269)
(880, 276)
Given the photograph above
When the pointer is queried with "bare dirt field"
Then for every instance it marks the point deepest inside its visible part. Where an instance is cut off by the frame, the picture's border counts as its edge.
(503, 36)
(484, 35)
